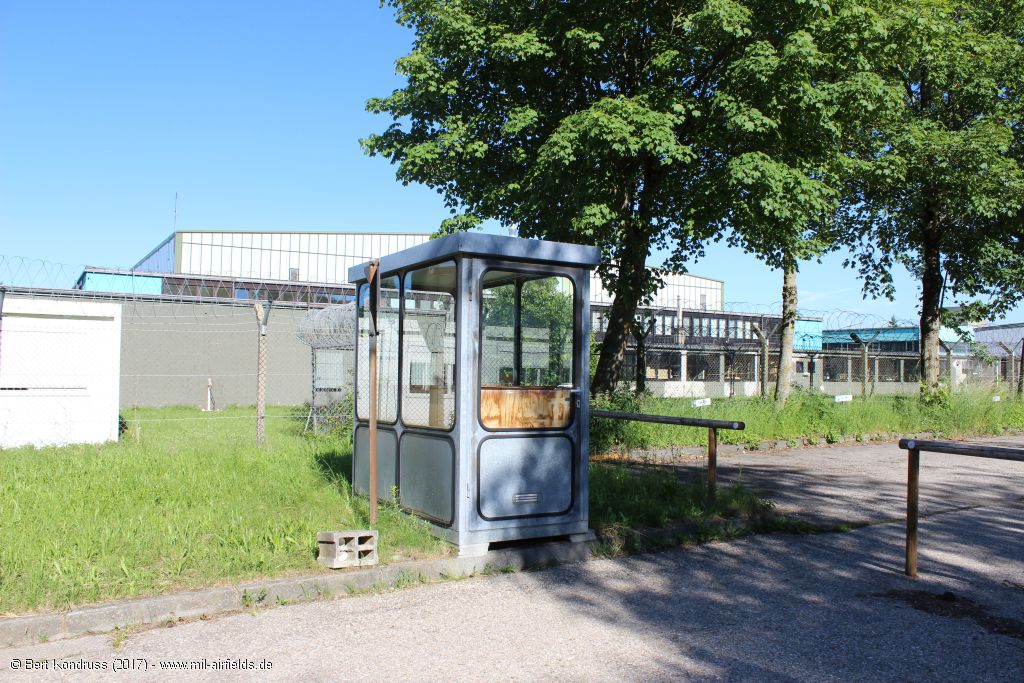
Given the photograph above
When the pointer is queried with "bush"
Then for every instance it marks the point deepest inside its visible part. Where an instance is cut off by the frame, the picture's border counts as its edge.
(607, 435)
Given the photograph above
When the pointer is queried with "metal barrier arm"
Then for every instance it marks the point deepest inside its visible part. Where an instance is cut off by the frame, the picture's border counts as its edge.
(914, 448)
(712, 426)
(668, 419)
(972, 450)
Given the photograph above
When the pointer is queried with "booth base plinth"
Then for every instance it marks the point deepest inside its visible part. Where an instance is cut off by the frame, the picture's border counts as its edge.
(474, 550)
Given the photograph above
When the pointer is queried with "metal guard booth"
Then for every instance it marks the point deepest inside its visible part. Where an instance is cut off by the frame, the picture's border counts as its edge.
(483, 378)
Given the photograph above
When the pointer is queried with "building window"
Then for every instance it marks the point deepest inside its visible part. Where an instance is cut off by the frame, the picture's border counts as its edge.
(293, 274)
(663, 365)
(702, 367)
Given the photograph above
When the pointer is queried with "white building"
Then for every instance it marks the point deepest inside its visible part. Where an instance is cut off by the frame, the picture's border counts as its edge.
(325, 257)
(60, 372)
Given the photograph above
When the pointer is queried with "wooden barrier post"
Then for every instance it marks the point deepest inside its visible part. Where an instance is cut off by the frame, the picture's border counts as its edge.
(712, 463)
(913, 473)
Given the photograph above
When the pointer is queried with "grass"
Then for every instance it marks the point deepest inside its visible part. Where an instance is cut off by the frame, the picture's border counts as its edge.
(625, 499)
(185, 499)
(819, 417)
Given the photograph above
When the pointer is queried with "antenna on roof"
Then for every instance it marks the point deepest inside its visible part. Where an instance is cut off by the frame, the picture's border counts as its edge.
(175, 212)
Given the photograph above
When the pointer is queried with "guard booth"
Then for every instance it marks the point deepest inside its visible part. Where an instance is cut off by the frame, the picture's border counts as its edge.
(482, 384)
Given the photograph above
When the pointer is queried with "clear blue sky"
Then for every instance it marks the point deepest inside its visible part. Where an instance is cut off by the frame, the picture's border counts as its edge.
(251, 112)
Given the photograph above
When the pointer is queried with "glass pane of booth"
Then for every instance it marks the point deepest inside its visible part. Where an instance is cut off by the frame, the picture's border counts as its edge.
(387, 352)
(526, 351)
(428, 347)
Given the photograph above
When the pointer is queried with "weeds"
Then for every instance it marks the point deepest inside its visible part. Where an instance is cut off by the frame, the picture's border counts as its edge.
(818, 418)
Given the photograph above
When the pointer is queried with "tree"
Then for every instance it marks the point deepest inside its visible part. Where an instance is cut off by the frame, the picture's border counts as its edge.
(792, 105)
(631, 125)
(945, 195)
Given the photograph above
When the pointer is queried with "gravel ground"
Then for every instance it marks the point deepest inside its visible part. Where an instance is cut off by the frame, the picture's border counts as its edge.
(866, 483)
(786, 608)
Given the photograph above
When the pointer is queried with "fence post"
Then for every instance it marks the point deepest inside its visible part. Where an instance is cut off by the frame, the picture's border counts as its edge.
(764, 358)
(1010, 358)
(913, 472)
(262, 315)
(949, 364)
(1020, 370)
(712, 463)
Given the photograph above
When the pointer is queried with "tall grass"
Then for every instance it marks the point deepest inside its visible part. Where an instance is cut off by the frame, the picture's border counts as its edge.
(185, 499)
(818, 416)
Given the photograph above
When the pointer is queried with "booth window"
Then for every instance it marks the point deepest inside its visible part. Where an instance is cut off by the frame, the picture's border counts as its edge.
(387, 352)
(526, 351)
(428, 347)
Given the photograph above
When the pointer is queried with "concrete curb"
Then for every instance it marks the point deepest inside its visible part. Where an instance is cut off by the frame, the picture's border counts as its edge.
(161, 609)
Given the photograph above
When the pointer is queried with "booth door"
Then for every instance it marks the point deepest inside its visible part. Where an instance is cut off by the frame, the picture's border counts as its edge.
(528, 398)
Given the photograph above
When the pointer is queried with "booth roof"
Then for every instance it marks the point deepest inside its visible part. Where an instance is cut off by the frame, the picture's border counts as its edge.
(482, 245)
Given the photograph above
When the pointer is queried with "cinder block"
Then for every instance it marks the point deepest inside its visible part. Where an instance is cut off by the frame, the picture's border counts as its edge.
(339, 549)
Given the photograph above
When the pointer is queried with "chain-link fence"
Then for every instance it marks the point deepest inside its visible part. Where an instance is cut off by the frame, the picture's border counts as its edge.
(728, 372)
(173, 340)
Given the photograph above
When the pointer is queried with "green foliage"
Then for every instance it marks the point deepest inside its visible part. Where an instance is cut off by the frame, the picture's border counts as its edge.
(191, 502)
(944, 192)
(607, 435)
(635, 126)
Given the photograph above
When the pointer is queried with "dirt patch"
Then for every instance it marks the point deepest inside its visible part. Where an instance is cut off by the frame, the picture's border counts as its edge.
(948, 604)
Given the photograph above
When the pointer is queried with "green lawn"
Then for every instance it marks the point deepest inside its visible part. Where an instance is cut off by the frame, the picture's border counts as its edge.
(185, 499)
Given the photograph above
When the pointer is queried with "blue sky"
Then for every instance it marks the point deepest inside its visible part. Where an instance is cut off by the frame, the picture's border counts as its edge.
(251, 112)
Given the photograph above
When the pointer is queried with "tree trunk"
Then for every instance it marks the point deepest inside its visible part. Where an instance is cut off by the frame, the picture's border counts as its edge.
(620, 322)
(631, 282)
(640, 332)
(931, 308)
(788, 330)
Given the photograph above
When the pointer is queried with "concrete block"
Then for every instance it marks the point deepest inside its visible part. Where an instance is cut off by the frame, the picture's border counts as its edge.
(338, 549)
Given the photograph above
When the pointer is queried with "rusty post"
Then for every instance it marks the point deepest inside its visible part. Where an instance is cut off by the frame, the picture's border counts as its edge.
(712, 463)
(913, 472)
(373, 282)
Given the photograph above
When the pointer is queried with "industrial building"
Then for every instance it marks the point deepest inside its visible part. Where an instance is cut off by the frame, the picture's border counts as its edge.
(692, 345)
(304, 265)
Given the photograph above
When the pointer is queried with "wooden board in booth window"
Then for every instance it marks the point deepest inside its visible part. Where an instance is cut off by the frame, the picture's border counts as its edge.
(525, 407)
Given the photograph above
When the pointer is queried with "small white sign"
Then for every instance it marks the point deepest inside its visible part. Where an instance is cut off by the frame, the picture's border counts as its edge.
(844, 398)
(700, 402)
(995, 399)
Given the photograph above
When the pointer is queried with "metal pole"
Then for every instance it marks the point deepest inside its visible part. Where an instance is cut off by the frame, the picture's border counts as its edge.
(373, 281)
(262, 313)
(3, 293)
(712, 463)
(373, 430)
(1020, 370)
(864, 366)
(913, 471)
